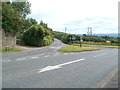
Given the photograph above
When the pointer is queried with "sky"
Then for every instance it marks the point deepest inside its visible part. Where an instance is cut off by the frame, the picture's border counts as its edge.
(77, 15)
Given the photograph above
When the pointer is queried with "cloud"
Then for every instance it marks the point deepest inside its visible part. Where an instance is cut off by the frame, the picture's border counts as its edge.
(98, 24)
(77, 15)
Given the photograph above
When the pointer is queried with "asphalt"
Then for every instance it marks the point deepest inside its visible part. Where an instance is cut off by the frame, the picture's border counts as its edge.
(20, 70)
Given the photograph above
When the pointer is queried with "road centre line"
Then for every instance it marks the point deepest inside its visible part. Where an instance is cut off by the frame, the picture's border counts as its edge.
(47, 56)
(41, 54)
(34, 57)
(48, 68)
(66, 53)
(6, 60)
(100, 55)
(19, 59)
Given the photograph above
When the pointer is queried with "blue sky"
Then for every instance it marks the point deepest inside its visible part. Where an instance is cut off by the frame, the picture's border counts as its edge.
(77, 15)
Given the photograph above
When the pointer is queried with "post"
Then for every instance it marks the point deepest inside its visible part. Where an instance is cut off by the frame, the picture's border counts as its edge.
(65, 29)
(81, 41)
(89, 35)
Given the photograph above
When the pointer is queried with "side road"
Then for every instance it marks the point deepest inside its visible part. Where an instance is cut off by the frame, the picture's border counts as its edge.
(57, 44)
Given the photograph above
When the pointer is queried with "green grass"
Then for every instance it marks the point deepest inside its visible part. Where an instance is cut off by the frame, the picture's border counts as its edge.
(108, 46)
(10, 50)
(77, 49)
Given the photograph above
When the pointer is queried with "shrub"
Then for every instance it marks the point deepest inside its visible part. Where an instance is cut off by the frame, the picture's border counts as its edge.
(36, 35)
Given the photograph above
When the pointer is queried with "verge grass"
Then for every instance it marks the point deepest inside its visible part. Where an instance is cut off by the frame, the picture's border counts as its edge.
(107, 46)
(77, 49)
(10, 50)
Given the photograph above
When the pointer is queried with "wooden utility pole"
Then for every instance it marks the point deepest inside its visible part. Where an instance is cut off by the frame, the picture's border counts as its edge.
(65, 29)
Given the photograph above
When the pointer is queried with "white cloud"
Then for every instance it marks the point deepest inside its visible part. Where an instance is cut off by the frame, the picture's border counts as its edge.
(59, 12)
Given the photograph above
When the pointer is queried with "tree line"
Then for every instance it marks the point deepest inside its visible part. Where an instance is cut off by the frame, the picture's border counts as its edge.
(71, 38)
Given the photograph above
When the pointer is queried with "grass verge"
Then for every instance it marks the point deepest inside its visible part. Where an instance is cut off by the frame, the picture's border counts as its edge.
(77, 49)
(107, 46)
(10, 50)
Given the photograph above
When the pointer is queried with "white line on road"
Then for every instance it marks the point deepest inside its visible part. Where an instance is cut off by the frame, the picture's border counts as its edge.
(100, 55)
(57, 54)
(41, 54)
(66, 53)
(6, 60)
(19, 59)
(47, 56)
(48, 68)
(34, 57)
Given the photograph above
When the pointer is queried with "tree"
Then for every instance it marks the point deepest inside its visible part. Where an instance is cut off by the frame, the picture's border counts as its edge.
(11, 21)
(29, 22)
(23, 8)
(44, 24)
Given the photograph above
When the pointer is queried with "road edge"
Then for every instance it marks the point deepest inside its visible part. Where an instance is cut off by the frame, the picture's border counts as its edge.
(107, 79)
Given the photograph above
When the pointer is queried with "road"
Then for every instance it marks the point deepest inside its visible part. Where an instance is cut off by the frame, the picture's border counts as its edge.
(47, 68)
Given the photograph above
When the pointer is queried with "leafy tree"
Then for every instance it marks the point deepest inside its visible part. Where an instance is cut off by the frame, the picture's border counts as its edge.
(23, 8)
(44, 24)
(11, 21)
(29, 22)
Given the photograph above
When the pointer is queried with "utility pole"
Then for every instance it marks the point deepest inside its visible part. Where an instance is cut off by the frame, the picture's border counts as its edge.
(65, 29)
(89, 33)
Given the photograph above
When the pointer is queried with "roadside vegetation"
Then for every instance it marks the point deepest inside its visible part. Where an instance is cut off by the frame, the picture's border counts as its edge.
(10, 50)
(96, 45)
(38, 35)
(77, 49)
(27, 30)
(72, 39)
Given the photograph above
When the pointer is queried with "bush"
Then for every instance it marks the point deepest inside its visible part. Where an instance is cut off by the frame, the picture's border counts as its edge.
(36, 35)
(63, 37)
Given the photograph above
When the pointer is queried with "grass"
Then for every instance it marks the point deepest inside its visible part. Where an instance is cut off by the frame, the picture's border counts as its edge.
(108, 46)
(10, 50)
(77, 49)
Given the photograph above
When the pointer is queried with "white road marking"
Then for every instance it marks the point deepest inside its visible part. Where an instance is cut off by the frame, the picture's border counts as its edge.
(66, 53)
(19, 59)
(56, 54)
(34, 57)
(6, 60)
(48, 68)
(109, 77)
(100, 55)
(47, 56)
(41, 54)
(72, 53)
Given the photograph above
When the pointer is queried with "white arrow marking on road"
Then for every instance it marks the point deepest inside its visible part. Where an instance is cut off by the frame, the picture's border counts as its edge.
(48, 68)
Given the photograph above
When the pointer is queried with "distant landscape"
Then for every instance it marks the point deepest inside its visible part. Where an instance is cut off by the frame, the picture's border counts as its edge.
(106, 34)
